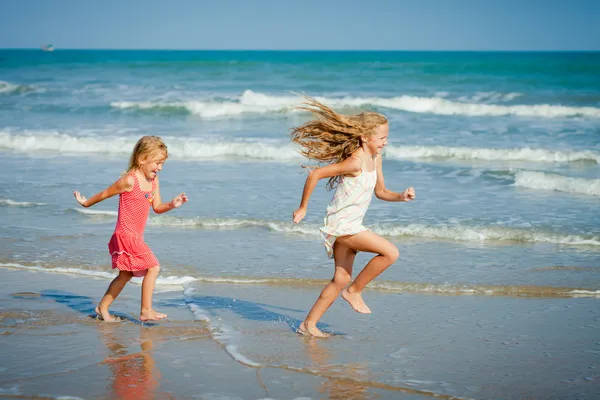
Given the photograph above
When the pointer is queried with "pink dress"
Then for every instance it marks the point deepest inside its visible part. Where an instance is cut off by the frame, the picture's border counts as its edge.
(126, 246)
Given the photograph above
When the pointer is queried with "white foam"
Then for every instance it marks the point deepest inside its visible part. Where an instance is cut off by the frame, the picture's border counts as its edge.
(555, 182)
(482, 290)
(220, 332)
(10, 88)
(490, 97)
(27, 141)
(216, 396)
(239, 357)
(228, 336)
(233, 223)
(259, 103)
(585, 293)
(486, 154)
(188, 149)
(161, 281)
(13, 390)
(483, 233)
(68, 398)
(15, 203)
(199, 314)
(88, 211)
(281, 151)
(460, 233)
(444, 232)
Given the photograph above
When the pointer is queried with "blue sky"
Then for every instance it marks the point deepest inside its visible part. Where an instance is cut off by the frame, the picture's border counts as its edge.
(303, 24)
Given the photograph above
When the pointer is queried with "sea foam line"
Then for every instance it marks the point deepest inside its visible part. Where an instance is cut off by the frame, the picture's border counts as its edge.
(165, 280)
(444, 232)
(7, 88)
(559, 183)
(282, 151)
(14, 203)
(226, 336)
(390, 286)
(250, 102)
(488, 154)
(187, 149)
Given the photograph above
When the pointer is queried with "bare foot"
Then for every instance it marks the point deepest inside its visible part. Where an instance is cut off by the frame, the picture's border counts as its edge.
(151, 315)
(105, 316)
(356, 301)
(312, 331)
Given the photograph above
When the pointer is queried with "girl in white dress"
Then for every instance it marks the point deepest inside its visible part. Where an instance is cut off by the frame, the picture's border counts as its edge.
(351, 145)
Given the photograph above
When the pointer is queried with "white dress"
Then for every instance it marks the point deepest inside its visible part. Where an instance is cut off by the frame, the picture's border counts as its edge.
(348, 206)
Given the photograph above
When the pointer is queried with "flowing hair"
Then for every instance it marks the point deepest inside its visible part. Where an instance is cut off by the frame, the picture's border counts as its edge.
(146, 147)
(332, 137)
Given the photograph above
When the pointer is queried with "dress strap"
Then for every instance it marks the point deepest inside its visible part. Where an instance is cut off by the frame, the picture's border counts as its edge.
(358, 158)
(135, 180)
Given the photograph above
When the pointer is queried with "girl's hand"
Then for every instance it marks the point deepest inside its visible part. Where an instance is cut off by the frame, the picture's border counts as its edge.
(409, 194)
(299, 215)
(179, 200)
(80, 199)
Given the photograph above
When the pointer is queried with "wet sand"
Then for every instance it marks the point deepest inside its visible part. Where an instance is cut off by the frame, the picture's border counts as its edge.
(226, 341)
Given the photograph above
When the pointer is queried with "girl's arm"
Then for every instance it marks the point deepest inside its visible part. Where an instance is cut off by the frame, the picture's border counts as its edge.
(349, 166)
(124, 184)
(385, 194)
(159, 207)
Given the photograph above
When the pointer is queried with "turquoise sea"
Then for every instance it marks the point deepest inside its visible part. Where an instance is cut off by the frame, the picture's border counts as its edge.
(502, 148)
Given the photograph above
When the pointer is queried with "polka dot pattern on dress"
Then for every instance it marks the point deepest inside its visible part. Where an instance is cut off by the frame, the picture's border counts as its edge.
(128, 250)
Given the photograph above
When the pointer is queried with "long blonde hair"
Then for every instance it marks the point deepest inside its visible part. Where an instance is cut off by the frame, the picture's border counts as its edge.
(332, 137)
(146, 147)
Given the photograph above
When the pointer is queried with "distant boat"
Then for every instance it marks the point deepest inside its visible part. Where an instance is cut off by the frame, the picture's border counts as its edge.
(48, 47)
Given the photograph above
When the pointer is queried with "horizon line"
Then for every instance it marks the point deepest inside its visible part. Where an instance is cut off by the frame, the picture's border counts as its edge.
(318, 50)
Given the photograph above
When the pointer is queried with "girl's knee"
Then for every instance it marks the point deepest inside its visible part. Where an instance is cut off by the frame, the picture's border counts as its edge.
(341, 279)
(392, 254)
(155, 269)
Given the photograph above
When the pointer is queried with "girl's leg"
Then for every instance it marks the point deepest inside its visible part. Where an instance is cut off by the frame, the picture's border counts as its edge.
(387, 255)
(344, 258)
(147, 313)
(114, 289)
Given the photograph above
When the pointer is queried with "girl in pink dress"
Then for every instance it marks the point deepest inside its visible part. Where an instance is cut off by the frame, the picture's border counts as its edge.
(138, 189)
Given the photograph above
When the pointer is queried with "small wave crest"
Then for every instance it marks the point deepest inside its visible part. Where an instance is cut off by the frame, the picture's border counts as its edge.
(222, 333)
(165, 280)
(283, 151)
(87, 211)
(419, 287)
(481, 97)
(483, 233)
(14, 203)
(456, 233)
(232, 223)
(443, 232)
(393, 286)
(7, 88)
(189, 149)
(259, 103)
(554, 182)
(486, 154)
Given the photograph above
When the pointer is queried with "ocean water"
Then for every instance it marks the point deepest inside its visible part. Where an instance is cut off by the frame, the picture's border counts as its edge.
(503, 150)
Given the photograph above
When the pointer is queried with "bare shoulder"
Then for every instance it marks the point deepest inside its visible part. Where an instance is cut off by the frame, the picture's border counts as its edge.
(356, 160)
(351, 166)
(126, 183)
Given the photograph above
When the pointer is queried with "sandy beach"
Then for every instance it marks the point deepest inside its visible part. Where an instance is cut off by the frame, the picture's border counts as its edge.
(225, 341)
